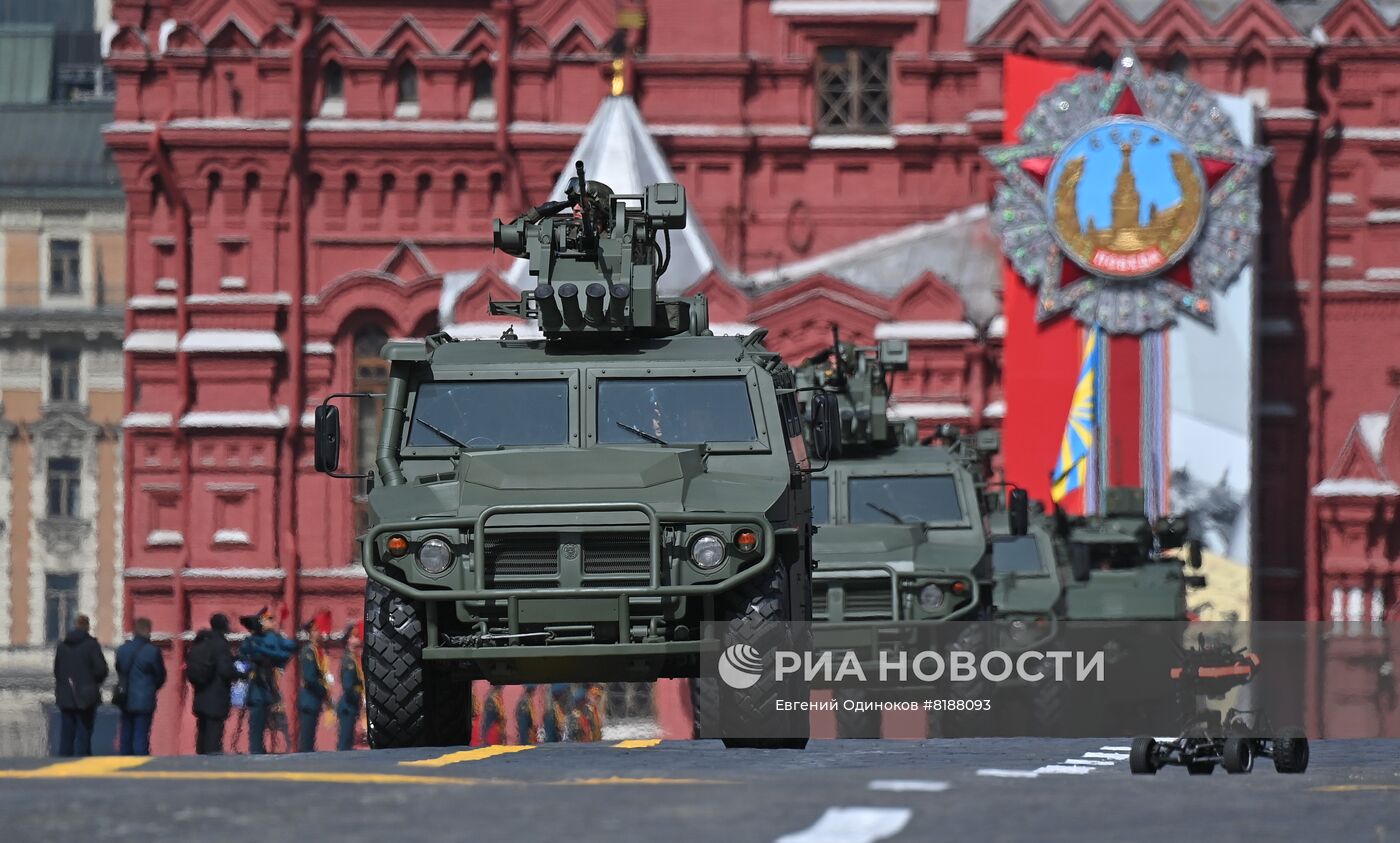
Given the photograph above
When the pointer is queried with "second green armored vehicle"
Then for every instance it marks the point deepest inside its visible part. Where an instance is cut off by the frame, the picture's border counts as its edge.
(1118, 565)
(903, 537)
(579, 507)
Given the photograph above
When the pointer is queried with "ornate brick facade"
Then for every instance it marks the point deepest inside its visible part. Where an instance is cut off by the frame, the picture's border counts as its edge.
(300, 175)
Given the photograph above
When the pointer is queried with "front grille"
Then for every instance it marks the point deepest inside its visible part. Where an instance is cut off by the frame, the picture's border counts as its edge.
(522, 555)
(616, 554)
(865, 600)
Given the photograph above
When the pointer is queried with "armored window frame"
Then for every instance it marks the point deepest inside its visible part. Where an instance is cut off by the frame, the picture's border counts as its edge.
(853, 89)
(761, 444)
(967, 499)
(487, 374)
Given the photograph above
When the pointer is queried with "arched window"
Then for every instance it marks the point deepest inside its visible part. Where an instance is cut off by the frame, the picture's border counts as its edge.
(483, 104)
(370, 374)
(332, 90)
(406, 91)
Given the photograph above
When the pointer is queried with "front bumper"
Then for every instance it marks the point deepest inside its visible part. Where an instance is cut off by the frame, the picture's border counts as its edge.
(566, 610)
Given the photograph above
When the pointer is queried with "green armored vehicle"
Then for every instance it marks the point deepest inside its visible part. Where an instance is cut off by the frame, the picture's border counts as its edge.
(903, 538)
(575, 508)
(1118, 565)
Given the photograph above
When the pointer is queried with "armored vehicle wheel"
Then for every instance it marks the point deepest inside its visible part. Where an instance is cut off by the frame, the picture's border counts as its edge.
(1200, 768)
(1047, 708)
(759, 616)
(407, 704)
(851, 723)
(1291, 752)
(704, 707)
(972, 637)
(1142, 759)
(1238, 755)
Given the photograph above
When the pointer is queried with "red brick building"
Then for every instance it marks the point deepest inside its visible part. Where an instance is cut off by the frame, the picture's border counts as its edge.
(301, 175)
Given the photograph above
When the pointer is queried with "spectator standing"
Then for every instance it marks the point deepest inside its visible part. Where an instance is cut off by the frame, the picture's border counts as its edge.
(265, 650)
(140, 674)
(79, 669)
(210, 670)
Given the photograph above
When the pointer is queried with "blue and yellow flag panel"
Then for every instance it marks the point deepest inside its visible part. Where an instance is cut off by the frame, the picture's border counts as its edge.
(1072, 467)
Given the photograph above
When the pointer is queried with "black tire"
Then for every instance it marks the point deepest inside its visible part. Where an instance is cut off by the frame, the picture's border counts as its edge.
(856, 724)
(1291, 752)
(704, 707)
(759, 615)
(1238, 755)
(1142, 759)
(1200, 768)
(407, 704)
(1047, 708)
(974, 637)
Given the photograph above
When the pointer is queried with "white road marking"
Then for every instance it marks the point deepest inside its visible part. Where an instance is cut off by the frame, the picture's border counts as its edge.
(906, 785)
(1008, 774)
(1088, 762)
(1116, 748)
(1064, 769)
(852, 825)
(1108, 756)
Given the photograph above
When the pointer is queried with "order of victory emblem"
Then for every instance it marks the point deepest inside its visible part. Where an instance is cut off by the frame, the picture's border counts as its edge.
(1130, 199)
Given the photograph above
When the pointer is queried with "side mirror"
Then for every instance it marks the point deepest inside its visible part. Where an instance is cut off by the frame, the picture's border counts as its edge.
(826, 426)
(327, 438)
(1079, 562)
(1193, 554)
(1019, 512)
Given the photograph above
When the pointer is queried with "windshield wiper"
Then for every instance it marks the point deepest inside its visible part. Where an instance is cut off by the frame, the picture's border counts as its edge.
(642, 433)
(444, 434)
(886, 512)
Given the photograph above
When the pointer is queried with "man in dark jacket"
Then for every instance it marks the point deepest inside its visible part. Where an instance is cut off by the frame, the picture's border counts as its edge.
(140, 674)
(211, 672)
(79, 669)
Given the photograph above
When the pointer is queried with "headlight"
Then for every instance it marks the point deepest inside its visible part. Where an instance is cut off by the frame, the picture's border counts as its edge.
(1019, 631)
(931, 598)
(707, 552)
(434, 556)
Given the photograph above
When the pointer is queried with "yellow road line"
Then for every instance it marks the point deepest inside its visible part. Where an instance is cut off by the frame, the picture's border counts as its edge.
(96, 765)
(338, 778)
(637, 743)
(1355, 788)
(466, 755)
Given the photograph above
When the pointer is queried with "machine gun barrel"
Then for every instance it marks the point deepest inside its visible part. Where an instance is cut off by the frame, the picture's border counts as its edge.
(585, 204)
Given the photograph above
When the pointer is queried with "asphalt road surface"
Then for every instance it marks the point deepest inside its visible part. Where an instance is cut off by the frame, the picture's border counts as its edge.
(837, 791)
